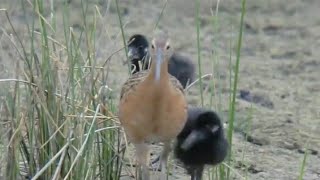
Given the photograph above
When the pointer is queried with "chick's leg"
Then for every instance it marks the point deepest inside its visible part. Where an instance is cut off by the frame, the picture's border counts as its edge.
(197, 173)
(142, 154)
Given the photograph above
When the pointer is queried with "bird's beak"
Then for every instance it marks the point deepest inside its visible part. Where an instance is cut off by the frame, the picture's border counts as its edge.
(214, 129)
(159, 60)
(132, 53)
(191, 139)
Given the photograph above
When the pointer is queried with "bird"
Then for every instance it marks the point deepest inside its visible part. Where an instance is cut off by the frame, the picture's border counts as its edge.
(201, 142)
(138, 53)
(153, 107)
(180, 66)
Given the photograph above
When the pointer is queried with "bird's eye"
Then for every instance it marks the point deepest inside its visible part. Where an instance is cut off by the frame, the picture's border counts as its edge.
(140, 47)
(152, 46)
(168, 47)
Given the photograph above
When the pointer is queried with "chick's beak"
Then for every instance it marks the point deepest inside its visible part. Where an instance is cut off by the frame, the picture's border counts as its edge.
(133, 53)
(191, 139)
(214, 129)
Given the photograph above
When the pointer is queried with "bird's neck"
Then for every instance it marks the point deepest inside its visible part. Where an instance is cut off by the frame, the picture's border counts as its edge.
(164, 75)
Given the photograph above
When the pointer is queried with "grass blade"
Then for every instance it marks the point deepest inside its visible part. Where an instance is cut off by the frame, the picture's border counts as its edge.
(234, 89)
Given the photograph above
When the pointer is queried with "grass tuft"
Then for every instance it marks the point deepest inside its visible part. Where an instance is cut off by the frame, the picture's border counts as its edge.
(60, 124)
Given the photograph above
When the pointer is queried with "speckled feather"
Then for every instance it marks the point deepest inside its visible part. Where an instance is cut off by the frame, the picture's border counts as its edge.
(136, 78)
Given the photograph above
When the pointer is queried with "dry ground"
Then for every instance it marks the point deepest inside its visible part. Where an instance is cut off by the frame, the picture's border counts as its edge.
(279, 68)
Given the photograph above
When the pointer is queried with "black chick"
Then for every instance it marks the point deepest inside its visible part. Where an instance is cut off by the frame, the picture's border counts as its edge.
(201, 142)
(179, 66)
(138, 48)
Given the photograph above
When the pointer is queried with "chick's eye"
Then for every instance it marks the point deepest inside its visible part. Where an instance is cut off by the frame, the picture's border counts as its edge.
(168, 47)
(152, 46)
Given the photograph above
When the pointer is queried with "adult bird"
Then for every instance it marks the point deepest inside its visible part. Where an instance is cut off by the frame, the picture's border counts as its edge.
(201, 142)
(180, 66)
(153, 107)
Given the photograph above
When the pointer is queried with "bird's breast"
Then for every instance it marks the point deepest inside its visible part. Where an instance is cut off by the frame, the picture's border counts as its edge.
(151, 113)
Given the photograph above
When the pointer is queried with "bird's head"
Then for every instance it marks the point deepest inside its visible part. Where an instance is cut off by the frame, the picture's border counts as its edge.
(207, 127)
(137, 47)
(138, 52)
(160, 52)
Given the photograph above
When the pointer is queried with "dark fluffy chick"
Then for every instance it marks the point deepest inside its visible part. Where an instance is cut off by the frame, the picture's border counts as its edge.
(201, 142)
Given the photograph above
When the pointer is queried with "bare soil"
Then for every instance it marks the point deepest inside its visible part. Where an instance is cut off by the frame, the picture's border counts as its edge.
(279, 80)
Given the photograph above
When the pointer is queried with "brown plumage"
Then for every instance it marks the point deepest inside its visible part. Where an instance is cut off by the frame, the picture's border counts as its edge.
(153, 107)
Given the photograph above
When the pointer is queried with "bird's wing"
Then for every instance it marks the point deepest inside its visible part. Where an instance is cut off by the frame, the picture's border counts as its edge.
(176, 83)
(132, 82)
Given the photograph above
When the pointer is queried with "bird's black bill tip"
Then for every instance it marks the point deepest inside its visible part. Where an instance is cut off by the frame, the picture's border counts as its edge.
(214, 129)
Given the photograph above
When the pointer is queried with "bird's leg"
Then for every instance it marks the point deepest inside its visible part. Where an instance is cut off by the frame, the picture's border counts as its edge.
(198, 172)
(164, 158)
(193, 176)
(142, 154)
(157, 159)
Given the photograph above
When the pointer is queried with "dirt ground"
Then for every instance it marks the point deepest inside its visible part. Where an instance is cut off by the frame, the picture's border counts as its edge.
(279, 80)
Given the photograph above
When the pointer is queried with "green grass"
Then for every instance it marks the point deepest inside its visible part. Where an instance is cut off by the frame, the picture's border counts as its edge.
(303, 164)
(60, 126)
(123, 36)
(226, 169)
(234, 87)
(197, 5)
